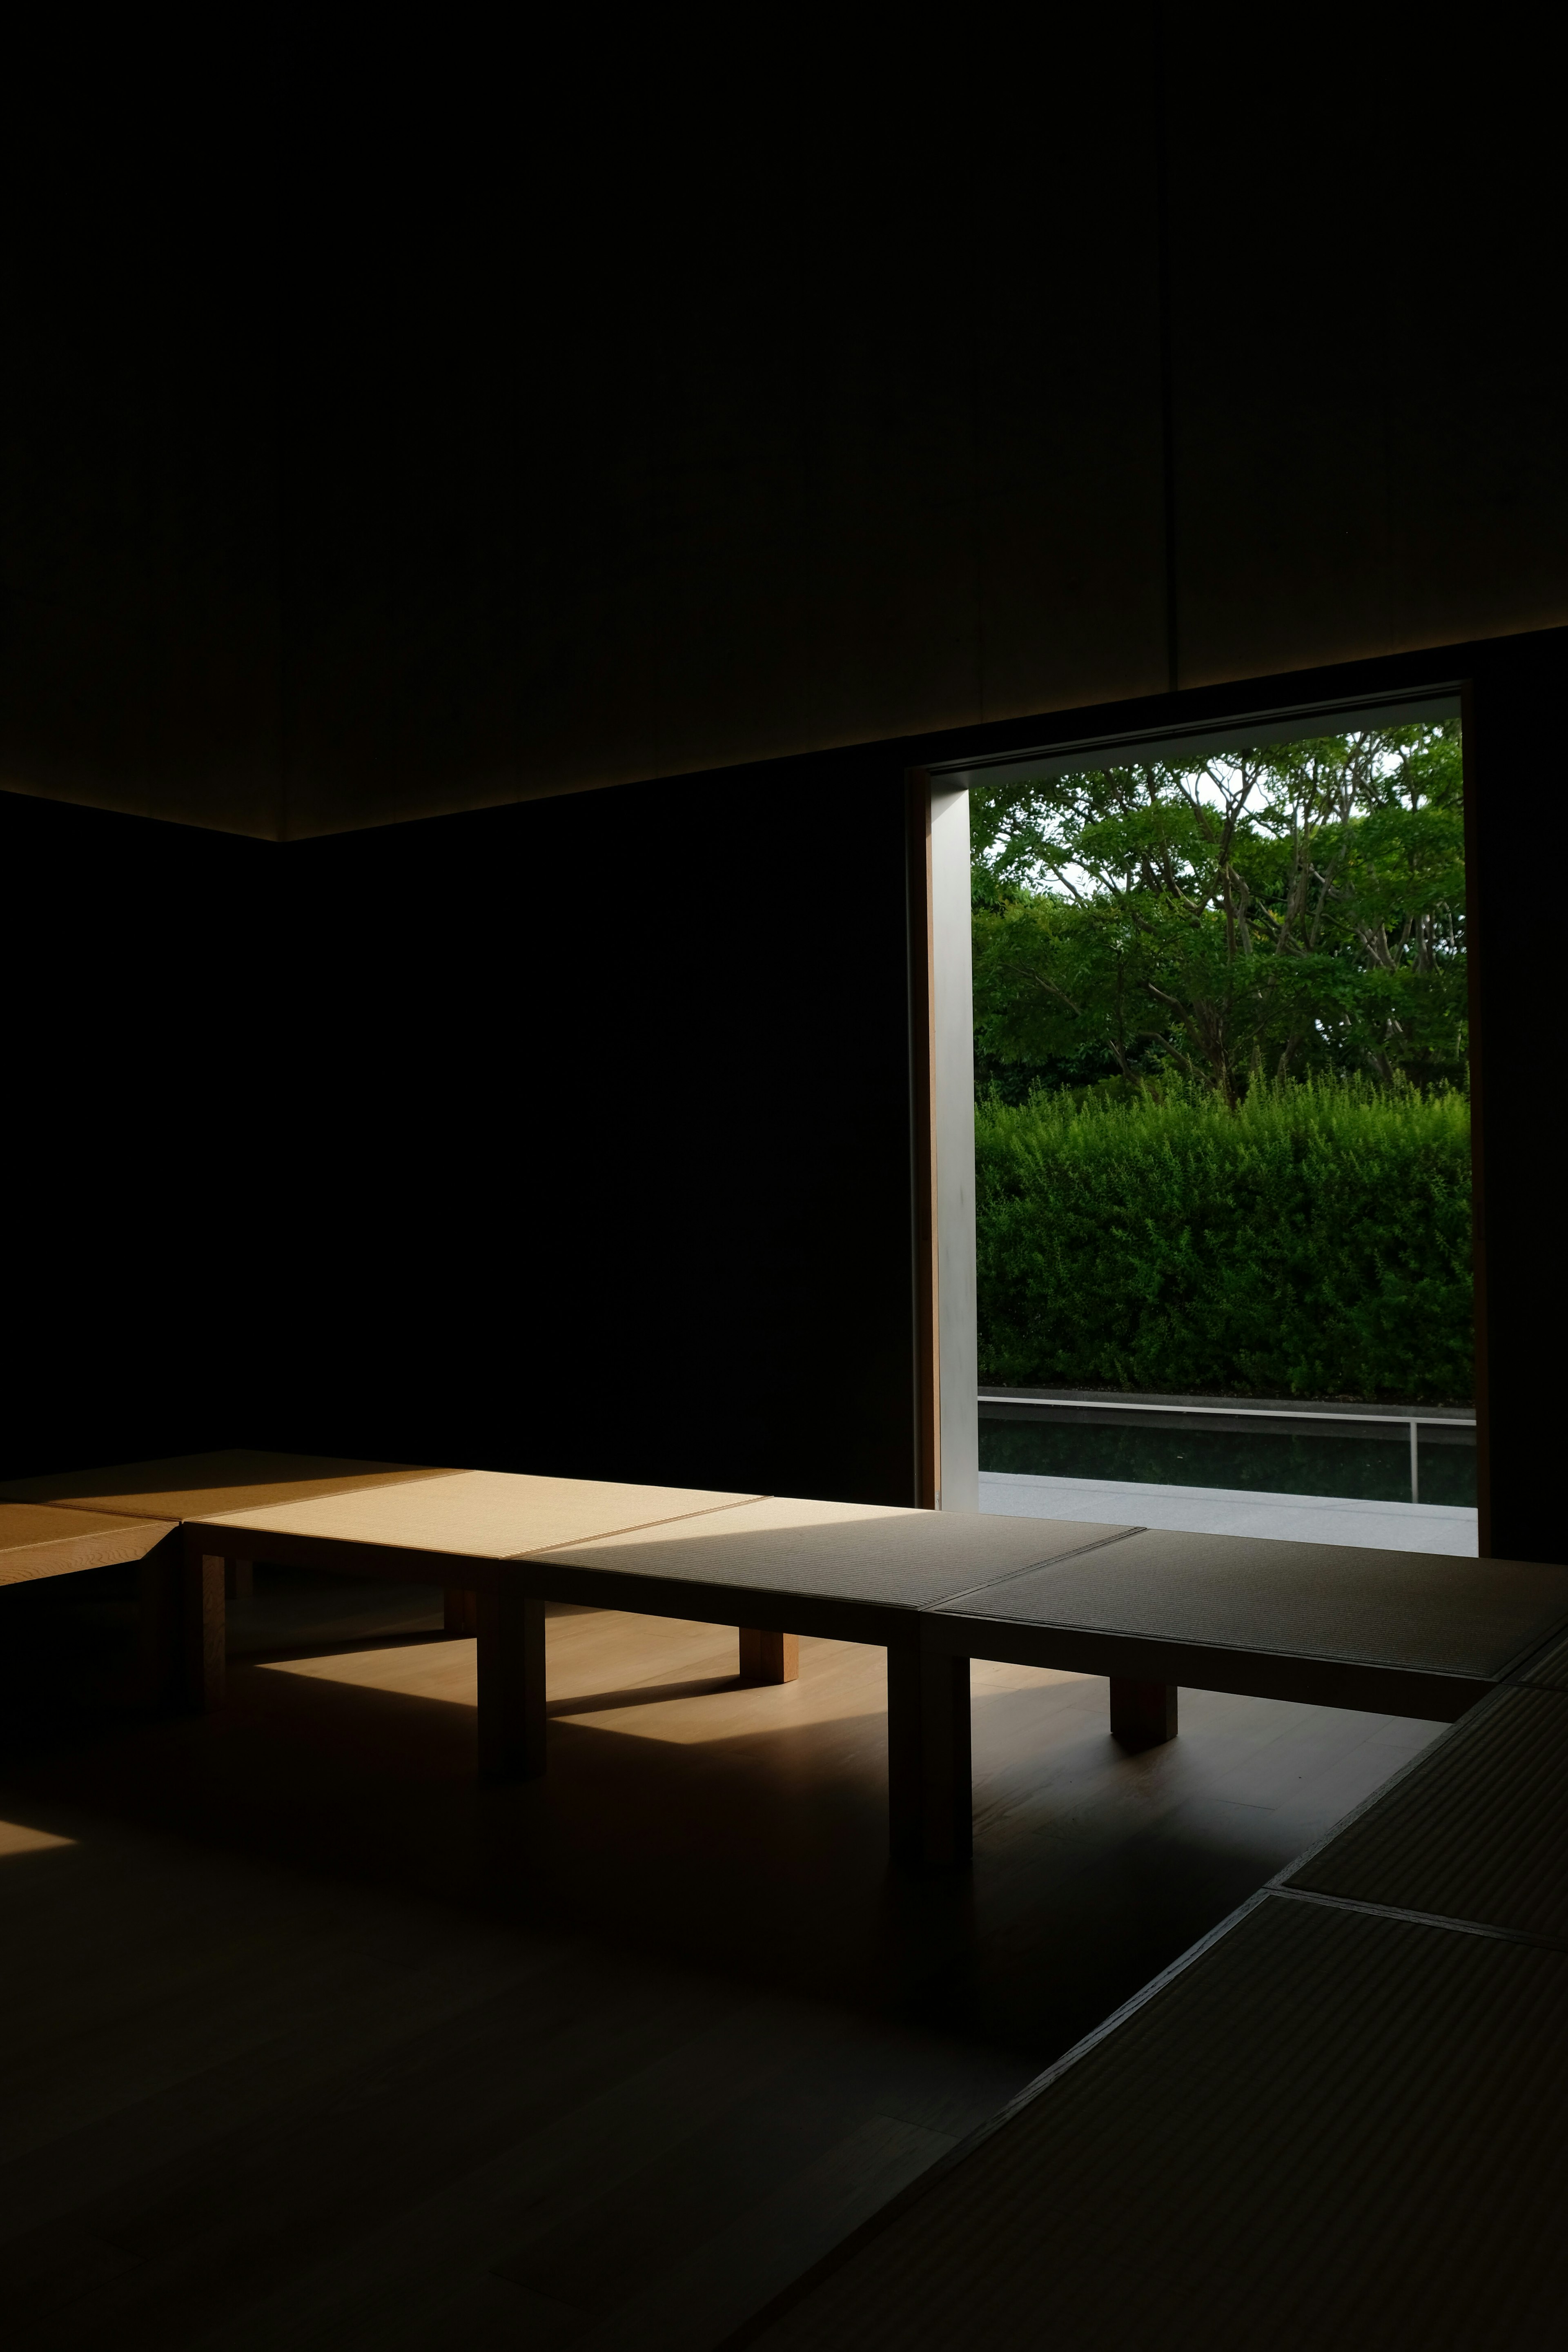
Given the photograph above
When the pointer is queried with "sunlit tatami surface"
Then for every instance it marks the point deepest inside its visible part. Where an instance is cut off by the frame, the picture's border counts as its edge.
(312, 2041)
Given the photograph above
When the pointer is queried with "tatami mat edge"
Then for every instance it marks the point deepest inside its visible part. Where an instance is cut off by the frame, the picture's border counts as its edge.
(1550, 1669)
(1477, 1829)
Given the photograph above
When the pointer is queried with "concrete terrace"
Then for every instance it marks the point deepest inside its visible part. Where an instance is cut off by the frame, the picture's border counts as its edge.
(1232, 1511)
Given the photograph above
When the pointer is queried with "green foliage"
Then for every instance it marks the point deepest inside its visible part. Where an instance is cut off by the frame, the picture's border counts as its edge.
(1264, 914)
(1314, 1242)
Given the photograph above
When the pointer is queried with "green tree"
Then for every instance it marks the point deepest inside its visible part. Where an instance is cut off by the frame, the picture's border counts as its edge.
(1272, 912)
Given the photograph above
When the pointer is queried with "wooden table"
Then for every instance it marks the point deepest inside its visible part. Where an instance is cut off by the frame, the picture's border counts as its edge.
(1397, 1633)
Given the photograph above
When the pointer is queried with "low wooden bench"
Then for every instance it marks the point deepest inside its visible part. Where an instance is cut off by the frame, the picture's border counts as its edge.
(159, 1498)
(1398, 1633)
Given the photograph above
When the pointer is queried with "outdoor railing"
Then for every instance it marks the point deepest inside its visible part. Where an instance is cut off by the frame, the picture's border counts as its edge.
(1417, 1421)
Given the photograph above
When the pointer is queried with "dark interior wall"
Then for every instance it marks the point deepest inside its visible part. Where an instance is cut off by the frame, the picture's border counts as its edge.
(422, 430)
(568, 1137)
(140, 616)
(1368, 385)
(741, 429)
(1517, 783)
(595, 1155)
(140, 1036)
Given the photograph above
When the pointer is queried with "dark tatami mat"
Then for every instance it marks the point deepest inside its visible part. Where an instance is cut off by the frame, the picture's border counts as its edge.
(1550, 1668)
(1331, 2129)
(1418, 1610)
(1478, 1830)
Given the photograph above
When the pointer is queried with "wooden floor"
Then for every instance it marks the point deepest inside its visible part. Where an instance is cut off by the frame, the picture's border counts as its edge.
(308, 2040)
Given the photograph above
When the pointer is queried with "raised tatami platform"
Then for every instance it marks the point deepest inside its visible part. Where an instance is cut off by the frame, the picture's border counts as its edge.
(1396, 1632)
(1337, 2122)
(1331, 2129)
(38, 1539)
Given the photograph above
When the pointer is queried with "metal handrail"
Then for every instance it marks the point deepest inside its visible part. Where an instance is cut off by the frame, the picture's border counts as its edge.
(1255, 1411)
(1415, 1422)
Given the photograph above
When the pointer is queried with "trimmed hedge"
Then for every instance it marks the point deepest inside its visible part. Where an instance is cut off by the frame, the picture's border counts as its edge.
(1315, 1242)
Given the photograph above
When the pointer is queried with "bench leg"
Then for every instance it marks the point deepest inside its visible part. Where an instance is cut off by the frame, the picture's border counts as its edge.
(203, 1633)
(929, 1802)
(160, 1628)
(460, 1612)
(511, 1685)
(769, 1658)
(1142, 1715)
(182, 1629)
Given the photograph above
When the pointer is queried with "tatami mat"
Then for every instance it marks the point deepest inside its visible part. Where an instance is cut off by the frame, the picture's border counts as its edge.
(1327, 1600)
(194, 1485)
(481, 1514)
(37, 1540)
(1550, 1668)
(1331, 2129)
(1478, 1830)
(876, 1555)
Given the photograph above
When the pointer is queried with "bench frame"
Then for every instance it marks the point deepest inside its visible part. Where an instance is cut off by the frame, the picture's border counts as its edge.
(928, 1650)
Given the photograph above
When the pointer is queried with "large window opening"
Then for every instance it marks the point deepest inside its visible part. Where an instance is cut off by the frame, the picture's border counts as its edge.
(1222, 1129)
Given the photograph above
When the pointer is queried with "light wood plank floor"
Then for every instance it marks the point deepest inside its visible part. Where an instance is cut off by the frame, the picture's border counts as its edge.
(308, 2041)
